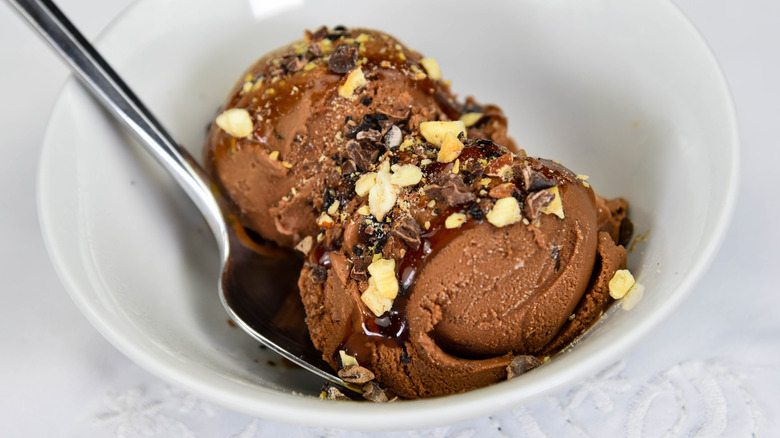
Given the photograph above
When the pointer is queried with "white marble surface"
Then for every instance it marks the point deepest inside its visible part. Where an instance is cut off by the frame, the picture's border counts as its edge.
(709, 370)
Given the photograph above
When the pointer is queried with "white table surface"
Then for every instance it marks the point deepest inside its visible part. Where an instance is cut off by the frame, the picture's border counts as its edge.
(709, 370)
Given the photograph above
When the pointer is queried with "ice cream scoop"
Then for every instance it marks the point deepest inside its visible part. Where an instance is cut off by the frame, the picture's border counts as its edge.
(289, 126)
(508, 256)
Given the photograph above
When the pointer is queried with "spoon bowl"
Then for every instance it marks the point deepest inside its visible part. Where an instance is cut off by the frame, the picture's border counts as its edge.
(258, 282)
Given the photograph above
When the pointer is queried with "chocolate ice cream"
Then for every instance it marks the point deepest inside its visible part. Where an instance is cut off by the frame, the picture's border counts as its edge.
(481, 259)
(438, 256)
(288, 128)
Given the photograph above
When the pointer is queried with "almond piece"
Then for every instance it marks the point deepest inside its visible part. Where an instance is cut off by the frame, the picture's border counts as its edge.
(432, 68)
(383, 273)
(621, 283)
(305, 245)
(505, 212)
(347, 360)
(455, 220)
(236, 121)
(382, 196)
(470, 119)
(364, 184)
(406, 175)
(436, 132)
(451, 148)
(355, 80)
(364, 210)
(325, 221)
(633, 296)
(374, 301)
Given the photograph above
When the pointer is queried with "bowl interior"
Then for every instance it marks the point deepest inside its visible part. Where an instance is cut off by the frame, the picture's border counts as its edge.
(626, 93)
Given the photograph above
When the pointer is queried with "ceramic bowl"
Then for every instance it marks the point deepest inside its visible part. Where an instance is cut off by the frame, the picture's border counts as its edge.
(626, 92)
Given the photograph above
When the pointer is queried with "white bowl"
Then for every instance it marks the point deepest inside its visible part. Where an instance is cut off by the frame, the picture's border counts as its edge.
(626, 92)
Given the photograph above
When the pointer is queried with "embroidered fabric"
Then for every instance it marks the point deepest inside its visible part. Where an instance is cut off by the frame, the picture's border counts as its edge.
(698, 398)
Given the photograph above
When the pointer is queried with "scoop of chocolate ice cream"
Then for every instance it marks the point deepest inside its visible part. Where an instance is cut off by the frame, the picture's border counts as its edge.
(478, 259)
(288, 129)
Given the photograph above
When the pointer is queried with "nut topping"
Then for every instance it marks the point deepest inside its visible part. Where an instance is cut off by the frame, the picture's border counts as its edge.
(436, 132)
(355, 80)
(533, 180)
(382, 286)
(505, 212)
(470, 119)
(305, 245)
(347, 360)
(633, 296)
(383, 273)
(451, 148)
(454, 220)
(382, 196)
(621, 283)
(432, 68)
(374, 301)
(292, 63)
(236, 122)
(501, 167)
(406, 175)
(365, 183)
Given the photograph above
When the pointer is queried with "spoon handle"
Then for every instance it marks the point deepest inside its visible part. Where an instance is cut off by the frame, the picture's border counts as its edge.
(111, 91)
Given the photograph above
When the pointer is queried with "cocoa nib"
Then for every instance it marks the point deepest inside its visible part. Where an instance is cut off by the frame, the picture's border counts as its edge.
(292, 63)
(317, 35)
(359, 268)
(521, 365)
(356, 374)
(348, 167)
(393, 137)
(363, 155)
(315, 49)
(535, 202)
(450, 189)
(369, 121)
(343, 59)
(369, 134)
(408, 230)
(504, 190)
(476, 212)
(534, 181)
(333, 393)
(500, 166)
(319, 274)
(372, 392)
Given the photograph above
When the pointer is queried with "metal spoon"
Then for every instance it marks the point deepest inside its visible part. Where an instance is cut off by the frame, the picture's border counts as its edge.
(251, 288)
